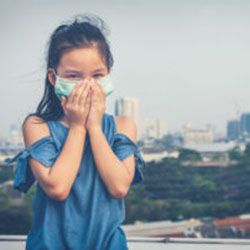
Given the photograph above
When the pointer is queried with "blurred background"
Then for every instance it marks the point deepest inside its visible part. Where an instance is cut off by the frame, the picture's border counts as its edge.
(181, 71)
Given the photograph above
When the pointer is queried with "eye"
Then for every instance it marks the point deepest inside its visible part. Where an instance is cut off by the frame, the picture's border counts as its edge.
(99, 75)
(72, 76)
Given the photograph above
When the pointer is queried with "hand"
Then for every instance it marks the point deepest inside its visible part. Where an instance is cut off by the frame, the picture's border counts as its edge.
(77, 106)
(97, 107)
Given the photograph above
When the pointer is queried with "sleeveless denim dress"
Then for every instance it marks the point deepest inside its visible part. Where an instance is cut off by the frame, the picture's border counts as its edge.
(90, 217)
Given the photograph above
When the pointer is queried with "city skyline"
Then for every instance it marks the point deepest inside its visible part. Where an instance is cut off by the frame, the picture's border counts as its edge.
(155, 127)
(184, 61)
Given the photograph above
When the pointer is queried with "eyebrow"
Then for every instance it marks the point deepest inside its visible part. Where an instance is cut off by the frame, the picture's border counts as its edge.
(100, 69)
(79, 72)
(72, 71)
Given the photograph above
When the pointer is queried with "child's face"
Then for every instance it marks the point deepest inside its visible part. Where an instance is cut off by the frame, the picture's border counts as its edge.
(81, 64)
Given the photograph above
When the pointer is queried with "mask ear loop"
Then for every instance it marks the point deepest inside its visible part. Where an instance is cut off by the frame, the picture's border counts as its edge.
(55, 75)
(54, 72)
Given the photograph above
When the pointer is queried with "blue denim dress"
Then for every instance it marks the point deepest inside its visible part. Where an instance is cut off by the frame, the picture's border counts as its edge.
(90, 217)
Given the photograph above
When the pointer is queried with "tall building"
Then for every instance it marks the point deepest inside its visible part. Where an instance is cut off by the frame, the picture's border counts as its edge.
(245, 124)
(128, 106)
(233, 130)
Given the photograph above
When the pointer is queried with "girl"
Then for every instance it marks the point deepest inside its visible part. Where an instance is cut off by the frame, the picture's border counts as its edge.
(83, 159)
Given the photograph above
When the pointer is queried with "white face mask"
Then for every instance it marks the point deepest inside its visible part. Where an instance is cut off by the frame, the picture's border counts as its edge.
(64, 86)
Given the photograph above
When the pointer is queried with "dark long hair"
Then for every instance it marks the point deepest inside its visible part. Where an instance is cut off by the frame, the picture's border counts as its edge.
(81, 32)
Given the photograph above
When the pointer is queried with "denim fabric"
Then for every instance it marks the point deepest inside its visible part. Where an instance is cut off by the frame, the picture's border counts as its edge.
(90, 217)
(44, 150)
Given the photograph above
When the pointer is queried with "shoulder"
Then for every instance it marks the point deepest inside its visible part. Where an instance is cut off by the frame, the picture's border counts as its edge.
(33, 129)
(125, 125)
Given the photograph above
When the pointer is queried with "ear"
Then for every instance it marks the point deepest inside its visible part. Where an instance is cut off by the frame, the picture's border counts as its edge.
(51, 76)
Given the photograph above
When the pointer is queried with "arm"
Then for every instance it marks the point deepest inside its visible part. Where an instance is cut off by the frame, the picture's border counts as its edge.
(57, 180)
(117, 175)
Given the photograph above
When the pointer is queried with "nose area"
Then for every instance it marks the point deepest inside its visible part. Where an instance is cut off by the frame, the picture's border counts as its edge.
(90, 80)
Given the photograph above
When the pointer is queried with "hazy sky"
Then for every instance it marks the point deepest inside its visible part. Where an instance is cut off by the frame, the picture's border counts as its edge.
(184, 60)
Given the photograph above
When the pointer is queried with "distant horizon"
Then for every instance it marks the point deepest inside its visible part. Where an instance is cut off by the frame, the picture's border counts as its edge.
(210, 126)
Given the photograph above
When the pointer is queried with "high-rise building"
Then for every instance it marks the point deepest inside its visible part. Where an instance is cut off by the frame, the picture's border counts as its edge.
(233, 130)
(128, 106)
(245, 124)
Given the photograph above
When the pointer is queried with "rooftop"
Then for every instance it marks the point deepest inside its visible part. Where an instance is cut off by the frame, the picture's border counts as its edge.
(211, 147)
(17, 242)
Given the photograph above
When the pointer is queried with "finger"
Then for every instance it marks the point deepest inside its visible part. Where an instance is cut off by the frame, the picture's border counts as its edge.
(94, 94)
(87, 104)
(73, 92)
(88, 101)
(78, 93)
(84, 94)
(76, 97)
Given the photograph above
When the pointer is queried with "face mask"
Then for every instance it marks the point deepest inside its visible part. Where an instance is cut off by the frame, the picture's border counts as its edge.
(65, 86)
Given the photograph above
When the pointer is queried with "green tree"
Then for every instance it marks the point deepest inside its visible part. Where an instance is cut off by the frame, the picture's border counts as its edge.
(235, 154)
(189, 155)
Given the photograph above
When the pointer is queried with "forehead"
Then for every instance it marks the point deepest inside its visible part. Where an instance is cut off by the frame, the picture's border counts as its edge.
(82, 59)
